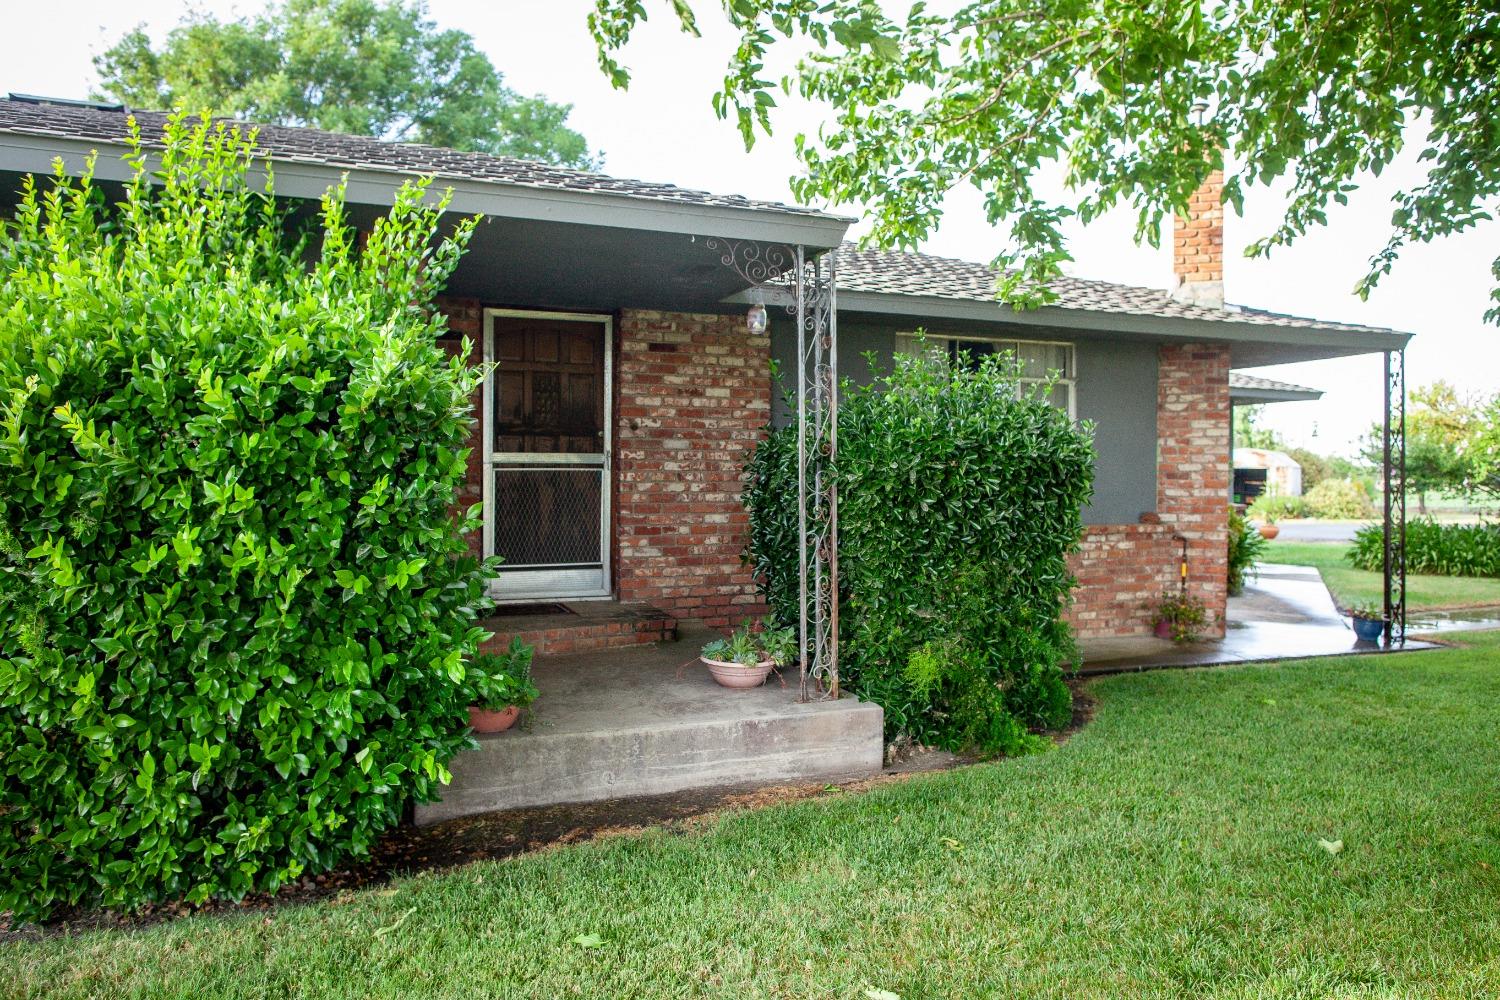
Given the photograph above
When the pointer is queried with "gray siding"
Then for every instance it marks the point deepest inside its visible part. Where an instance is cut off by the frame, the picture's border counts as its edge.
(1116, 390)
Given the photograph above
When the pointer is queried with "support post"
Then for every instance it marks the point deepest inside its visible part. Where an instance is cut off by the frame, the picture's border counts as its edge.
(1393, 560)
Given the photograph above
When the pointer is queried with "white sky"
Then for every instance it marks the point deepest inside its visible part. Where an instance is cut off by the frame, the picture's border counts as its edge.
(664, 129)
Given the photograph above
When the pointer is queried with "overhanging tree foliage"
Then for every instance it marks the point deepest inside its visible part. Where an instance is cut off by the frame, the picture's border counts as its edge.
(1137, 100)
(366, 67)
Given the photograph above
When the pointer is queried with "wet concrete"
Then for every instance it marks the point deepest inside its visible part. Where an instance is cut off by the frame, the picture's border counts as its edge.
(1285, 613)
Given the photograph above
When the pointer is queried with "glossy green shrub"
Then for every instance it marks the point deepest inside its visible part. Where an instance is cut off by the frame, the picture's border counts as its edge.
(1338, 499)
(1246, 548)
(236, 605)
(1439, 549)
(959, 501)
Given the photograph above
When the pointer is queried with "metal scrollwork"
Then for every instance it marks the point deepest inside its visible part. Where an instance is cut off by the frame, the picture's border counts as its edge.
(807, 282)
(1394, 468)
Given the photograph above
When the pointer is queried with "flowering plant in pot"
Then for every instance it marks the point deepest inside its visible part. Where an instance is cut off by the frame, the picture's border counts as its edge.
(499, 687)
(1180, 617)
(745, 657)
(1368, 620)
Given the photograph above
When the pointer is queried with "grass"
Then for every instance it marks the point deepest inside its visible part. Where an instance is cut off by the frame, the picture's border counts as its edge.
(1351, 586)
(1170, 849)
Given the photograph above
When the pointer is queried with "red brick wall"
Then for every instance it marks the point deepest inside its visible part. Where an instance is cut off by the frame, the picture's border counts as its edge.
(1123, 569)
(693, 398)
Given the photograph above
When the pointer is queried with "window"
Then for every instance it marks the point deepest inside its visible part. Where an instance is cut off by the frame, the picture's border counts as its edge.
(1039, 359)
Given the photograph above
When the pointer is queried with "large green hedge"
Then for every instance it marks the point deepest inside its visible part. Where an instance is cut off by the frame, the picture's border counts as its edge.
(960, 496)
(1438, 549)
(236, 605)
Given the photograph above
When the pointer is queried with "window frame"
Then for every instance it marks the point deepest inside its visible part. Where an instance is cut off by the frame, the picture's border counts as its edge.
(1071, 381)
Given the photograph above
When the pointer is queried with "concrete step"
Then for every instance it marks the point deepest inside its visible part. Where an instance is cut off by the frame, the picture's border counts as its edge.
(649, 721)
(583, 626)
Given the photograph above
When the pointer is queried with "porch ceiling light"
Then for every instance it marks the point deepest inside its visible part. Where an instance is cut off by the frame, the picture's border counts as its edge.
(756, 319)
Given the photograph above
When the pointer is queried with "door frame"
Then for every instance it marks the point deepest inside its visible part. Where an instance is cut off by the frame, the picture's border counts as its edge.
(606, 323)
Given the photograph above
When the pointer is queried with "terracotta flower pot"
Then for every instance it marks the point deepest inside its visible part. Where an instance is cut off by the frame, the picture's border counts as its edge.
(484, 720)
(1163, 630)
(736, 675)
(1269, 531)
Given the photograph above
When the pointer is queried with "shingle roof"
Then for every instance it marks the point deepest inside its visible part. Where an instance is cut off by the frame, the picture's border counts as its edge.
(887, 272)
(1241, 381)
(351, 152)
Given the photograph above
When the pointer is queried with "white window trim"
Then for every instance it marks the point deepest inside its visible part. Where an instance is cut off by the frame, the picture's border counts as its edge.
(1071, 381)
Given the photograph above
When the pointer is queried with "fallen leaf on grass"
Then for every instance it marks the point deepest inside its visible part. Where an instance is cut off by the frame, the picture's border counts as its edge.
(1331, 846)
(589, 941)
(882, 995)
(383, 931)
(953, 845)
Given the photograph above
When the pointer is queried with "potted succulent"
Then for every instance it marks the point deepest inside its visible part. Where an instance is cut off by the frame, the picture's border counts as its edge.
(1268, 528)
(1368, 620)
(499, 687)
(1179, 617)
(745, 657)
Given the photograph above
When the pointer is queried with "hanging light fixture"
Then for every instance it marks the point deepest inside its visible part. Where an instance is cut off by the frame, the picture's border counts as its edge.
(756, 319)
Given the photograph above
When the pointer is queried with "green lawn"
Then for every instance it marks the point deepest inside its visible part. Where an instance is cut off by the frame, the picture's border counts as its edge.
(1170, 849)
(1350, 585)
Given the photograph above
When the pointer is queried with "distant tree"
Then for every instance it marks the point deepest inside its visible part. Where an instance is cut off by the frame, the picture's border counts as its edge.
(1249, 434)
(365, 67)
(1441, 428)
(1135, 102)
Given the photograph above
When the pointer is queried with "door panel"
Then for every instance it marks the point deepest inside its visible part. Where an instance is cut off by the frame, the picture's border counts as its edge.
(547, 491)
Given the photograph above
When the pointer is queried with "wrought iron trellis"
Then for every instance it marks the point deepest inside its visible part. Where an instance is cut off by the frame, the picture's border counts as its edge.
(805, 282)
(1394, 469)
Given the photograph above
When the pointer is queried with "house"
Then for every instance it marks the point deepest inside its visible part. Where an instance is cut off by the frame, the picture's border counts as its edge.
(628, 390)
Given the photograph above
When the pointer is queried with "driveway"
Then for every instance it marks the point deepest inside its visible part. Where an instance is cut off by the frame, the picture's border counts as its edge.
(1318, 531)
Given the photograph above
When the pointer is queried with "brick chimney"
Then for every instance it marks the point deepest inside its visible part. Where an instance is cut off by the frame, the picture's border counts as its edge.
(1198, 247)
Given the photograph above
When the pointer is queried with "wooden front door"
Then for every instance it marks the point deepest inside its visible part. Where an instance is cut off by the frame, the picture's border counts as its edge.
(547, 490)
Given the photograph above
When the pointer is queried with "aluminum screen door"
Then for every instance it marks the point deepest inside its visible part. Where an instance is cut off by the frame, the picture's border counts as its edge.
(547, 453)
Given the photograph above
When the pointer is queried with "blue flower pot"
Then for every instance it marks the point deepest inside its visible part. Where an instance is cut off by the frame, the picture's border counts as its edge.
(1368, 629)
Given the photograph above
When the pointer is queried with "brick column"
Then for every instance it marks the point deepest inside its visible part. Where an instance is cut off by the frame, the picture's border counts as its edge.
(694, 397)
(1192, 463)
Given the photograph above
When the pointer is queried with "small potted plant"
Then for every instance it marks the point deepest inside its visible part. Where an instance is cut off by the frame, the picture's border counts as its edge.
(499, 687)
(1268, 528)
(1180, 617)
(1368, 620)
(745, 657)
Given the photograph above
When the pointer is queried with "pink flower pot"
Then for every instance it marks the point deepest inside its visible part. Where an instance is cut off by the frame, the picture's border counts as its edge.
(735, 675)
(1164, 630)
(484, 720)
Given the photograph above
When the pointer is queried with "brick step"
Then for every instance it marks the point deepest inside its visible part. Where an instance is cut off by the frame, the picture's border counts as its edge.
(583, 627)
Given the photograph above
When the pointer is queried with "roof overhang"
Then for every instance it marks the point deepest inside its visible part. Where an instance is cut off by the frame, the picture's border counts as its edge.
(1252, 344)
(1244, 396)
(26, 153)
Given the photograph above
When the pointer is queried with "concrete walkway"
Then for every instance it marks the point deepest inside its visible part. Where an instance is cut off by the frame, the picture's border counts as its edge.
(1285, 613)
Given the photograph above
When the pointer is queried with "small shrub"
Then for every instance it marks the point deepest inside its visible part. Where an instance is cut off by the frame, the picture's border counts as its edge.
(1339, 499)
(1272, 507)
(1438, 549)
(1186, 615)
(959, 500)
(235, 606)
(1246, 548)
(500, 680)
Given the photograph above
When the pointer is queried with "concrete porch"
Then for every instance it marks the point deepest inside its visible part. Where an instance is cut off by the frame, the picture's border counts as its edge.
(648, 720)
